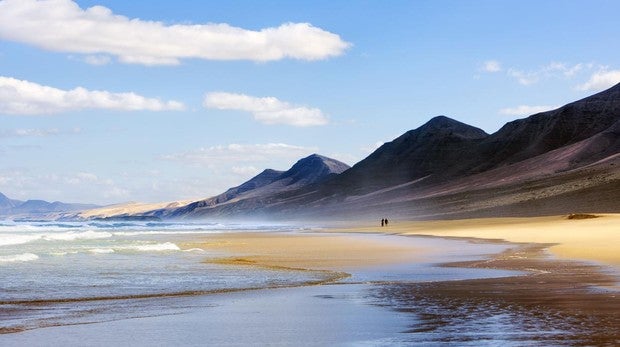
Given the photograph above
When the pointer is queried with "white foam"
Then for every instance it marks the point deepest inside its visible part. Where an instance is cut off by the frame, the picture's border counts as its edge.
(18, 258)
(194, 250)
(101, 250)
(15, 239)
(80, 235)
(157, 247)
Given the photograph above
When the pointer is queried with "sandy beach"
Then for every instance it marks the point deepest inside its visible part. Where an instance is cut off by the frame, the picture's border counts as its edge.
(592, 239)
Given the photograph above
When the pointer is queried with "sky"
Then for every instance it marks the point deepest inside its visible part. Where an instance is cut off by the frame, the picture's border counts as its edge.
(105, 101)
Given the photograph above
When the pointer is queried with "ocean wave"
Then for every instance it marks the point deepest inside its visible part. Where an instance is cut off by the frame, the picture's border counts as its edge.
(101, 250)
(18, 258)
(17, 239)
(81, 235)
(156, 247)
(14, 239)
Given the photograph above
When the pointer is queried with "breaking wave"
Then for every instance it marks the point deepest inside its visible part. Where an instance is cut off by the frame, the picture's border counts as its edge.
(18, 258)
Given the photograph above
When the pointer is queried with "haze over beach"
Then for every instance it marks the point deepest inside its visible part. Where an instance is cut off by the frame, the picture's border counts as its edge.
(309, 173)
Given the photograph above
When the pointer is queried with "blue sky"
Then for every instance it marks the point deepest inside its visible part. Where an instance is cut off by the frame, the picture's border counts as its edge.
(113, 101)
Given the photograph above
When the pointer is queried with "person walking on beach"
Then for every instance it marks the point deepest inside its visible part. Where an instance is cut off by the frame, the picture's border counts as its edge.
(386, 222)
(382, 221)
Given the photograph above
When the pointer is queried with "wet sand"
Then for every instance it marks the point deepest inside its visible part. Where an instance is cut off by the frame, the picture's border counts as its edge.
(570, 298)
(310, 250)
(559, 303)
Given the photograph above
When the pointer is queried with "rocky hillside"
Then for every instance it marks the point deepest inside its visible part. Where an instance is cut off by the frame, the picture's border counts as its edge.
(561, 161)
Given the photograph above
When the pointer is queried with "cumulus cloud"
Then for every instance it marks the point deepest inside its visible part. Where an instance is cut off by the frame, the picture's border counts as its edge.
(267, 110)
(491, 66)
(61, 25)
(525, 110)
(601, 80)
(240, 154)
(28, 98)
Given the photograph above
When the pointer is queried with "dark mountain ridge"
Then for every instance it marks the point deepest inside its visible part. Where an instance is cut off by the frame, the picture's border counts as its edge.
(525, 138)
(436, 147)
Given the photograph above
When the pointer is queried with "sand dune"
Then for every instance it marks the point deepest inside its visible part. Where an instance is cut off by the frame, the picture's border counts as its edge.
(131, 208)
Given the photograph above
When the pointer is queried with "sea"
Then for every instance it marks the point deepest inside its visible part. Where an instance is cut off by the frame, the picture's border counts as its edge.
(73, 273)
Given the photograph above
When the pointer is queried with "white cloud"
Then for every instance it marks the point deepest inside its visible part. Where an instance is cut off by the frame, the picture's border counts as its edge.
(267, 110)
(601, 80)
(525, 110)
(524, 78)
(551, 70)
(245, 170)
(240, 155)
(97, 60)
(492, 66)
(29, 98)
(61, 25)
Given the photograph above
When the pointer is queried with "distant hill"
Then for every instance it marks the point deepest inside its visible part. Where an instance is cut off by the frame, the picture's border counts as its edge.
(7, 204)
(37, 208)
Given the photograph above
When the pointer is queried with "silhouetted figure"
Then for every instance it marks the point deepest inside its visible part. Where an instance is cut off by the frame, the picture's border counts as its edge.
(382, 221)
(386, 222)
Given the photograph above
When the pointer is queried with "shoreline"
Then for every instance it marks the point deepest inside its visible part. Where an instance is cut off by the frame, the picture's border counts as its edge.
(591, 239)
(557, 302)
(569, 293)
(578, 300)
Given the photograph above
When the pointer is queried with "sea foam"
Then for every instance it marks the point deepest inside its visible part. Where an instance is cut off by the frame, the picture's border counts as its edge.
(14, 239)
(81, 235)
(18, 258)
(157, 247)
(17, 239)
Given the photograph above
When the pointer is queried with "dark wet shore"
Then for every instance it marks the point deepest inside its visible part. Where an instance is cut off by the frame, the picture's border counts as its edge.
(559, 303)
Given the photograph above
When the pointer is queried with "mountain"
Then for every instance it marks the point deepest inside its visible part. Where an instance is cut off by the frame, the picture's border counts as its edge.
(442, 146)
(259, 191)
(546, 131)
(7, 204)
(37, 208)
(561, 161)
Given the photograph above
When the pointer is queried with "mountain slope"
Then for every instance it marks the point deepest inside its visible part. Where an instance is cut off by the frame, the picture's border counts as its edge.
(526, 138)
(7, 204)
(441, 146)
(261, 190)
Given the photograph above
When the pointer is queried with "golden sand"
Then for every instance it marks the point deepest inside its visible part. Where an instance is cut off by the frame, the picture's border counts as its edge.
(307, 250)
(591, 239)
